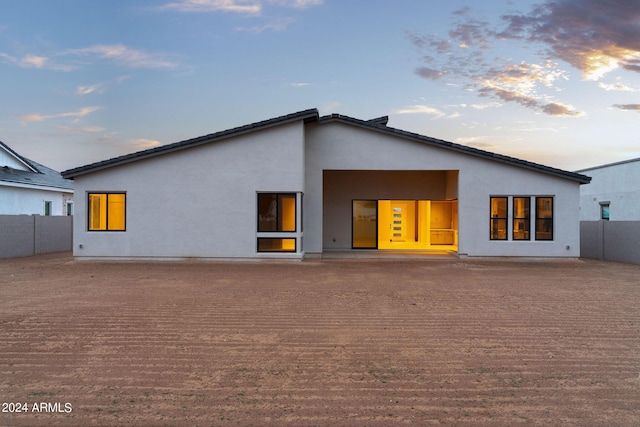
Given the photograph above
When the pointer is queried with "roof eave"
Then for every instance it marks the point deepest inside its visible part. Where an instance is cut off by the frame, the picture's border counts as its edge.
(373, 125)
(305, 115)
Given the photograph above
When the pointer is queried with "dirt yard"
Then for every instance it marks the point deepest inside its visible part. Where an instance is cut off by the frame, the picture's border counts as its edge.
(319, 343)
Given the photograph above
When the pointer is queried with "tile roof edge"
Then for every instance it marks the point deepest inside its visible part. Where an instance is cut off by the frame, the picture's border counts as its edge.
(376, 125)
(305, 115)
(22, 159)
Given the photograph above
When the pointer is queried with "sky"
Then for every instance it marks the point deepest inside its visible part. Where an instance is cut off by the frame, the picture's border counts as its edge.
(555, 82)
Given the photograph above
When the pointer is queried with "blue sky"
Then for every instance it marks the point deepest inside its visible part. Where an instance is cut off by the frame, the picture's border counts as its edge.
(554, 82)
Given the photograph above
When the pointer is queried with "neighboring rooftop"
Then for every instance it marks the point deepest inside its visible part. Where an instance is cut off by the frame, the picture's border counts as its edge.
(378, 124)
(610, 164)
(20, 170)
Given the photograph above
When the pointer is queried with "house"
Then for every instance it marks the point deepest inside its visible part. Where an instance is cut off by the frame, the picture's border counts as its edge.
(299, 185)
(610, 212)
(27, 187)
(614, 192)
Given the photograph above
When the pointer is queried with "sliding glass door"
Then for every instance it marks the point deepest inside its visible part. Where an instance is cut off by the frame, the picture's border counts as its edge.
(364, 224)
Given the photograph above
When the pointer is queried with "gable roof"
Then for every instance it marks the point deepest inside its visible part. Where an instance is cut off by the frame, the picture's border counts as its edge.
(306, 115)
(36, 175)
(378, 124)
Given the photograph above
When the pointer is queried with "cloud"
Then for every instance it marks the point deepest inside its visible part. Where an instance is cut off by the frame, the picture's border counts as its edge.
(594, 36)
(84, 130)
(37, 117)
(430, 111)
(422, 109)
(617, 87)
(124, 55)
(250, 7)
(34, 61)
(118, 53)
(245, 7)
(469, 55)
(297, 4)
(629, 107)
(430, 73)
(86, 90)
(276, 25)
(142, 143)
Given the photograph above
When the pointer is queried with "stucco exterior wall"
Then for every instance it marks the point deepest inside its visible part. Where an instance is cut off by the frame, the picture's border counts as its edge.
(337, 146)
(198, 202)
(618, 184)
(18, 200)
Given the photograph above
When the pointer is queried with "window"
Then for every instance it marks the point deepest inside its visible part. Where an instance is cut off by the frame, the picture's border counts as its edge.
(69, 208)
(276, 245)
(277, 222)
(544, 218)
(276, 212)
(47, 208)
(521, 218)
(604, 210)
(499, 218)
(107, 211)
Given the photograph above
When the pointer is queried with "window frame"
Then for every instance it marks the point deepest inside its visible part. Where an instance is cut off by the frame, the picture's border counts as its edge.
(107, 194)
(278, 209)
(48, 205)
(494, 219)
(547, 220)
(605, 206)
(295, 245)
(526, 219)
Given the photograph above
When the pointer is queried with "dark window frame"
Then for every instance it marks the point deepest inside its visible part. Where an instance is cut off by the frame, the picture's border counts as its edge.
(526, 218)
(605, 206)
(494, 220)
(277, 209)
(107, 194)
(294, 250)
(547, 222)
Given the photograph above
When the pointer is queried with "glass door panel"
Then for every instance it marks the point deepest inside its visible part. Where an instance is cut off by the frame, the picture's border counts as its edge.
(365, 224)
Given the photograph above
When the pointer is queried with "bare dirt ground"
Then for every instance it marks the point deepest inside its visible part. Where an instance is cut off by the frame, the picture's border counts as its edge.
(319, 343)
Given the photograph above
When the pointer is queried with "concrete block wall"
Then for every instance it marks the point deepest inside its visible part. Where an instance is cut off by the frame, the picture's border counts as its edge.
(617, 241)
(26, 235)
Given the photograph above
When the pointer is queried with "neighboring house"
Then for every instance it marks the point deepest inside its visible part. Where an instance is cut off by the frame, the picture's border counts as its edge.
(299, 185)
(614, 192)
(27, 187)
(610, 212)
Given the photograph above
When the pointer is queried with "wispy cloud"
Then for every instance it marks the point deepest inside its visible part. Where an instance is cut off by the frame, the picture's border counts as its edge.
(425, 109)
(277, 25)
(618, 87)
(629, 107)
(35, 61)
(142, 143)
(251, 7)
(245, 7)
(593, 36)
(98, 88)
(38, 117)
(73, 59)
(123, 55)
